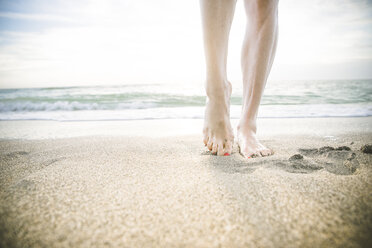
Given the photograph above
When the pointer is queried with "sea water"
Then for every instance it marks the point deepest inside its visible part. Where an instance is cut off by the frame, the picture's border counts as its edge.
(281, 99)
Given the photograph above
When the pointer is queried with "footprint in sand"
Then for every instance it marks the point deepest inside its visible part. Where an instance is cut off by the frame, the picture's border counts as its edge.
(341, 160)
(298, 164)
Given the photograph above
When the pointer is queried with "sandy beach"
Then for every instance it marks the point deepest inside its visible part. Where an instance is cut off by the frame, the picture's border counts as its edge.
(154, 184)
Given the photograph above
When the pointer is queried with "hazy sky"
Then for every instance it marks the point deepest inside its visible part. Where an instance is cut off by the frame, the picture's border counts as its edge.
(90, 42)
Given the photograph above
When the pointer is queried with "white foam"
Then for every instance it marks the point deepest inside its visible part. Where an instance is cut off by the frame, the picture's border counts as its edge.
(266, 111)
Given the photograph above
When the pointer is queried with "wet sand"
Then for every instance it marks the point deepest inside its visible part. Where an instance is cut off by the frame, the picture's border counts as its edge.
(100, 187)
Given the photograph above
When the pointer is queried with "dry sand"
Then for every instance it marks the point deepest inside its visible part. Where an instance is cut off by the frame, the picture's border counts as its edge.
(131, 191)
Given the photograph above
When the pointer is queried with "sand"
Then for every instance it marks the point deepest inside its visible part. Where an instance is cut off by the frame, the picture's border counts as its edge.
(108, 189)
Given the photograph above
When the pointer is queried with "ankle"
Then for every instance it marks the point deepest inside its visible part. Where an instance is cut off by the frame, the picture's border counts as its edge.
(216, 88)
(247, 126)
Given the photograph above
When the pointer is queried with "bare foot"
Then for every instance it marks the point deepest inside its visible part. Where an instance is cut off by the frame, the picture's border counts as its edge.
(218, 135)
(249, 146)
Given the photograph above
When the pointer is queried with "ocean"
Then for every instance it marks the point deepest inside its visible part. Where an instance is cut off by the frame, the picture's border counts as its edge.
(282, 99)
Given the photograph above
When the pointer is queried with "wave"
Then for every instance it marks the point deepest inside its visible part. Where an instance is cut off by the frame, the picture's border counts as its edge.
(149, 101)
(266, 111)
(67, 106)
(28, 106)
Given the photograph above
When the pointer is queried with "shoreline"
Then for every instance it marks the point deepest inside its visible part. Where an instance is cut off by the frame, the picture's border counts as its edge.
(35, 129)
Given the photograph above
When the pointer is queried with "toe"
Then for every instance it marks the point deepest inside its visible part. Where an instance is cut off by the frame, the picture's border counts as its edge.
(256, 154)
(214, 148)
(253, 153)
(205, 137)
(220, 150)
(246, 153)
(266, 152)
(228, 147)
(205, 140)
(263, 153)
(210, 144)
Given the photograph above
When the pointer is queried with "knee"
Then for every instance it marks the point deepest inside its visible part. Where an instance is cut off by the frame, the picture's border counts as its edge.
(258, 10)
(262, 5)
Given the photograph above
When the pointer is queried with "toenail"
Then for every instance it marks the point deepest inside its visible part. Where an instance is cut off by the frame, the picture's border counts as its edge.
(227, 154)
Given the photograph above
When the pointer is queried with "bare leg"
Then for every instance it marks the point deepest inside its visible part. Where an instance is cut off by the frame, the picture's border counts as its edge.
(217, 16)
(257, 57)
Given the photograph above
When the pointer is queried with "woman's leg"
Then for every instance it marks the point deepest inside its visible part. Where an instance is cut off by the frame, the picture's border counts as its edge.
(217, 16)
(257, 57)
